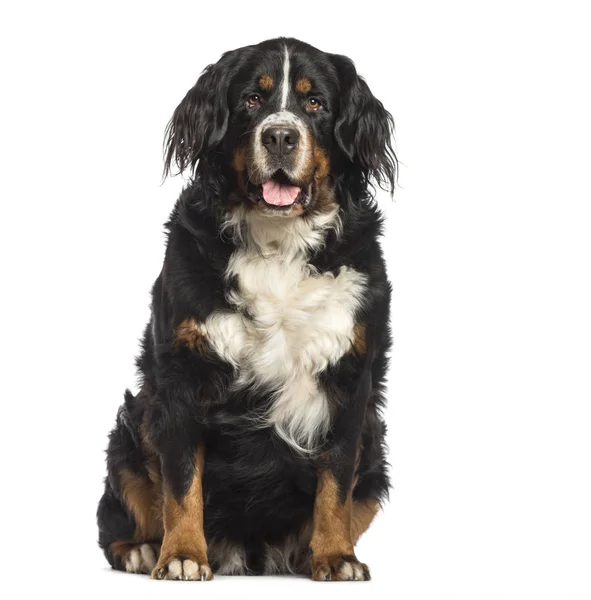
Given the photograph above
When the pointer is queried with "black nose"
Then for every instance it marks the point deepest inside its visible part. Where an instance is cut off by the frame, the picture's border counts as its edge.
(280, 140)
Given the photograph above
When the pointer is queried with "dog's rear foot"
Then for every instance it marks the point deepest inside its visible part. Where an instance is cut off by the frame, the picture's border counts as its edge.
(135, 558)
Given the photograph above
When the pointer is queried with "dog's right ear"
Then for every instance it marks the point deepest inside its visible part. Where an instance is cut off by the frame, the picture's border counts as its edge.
(200, 121)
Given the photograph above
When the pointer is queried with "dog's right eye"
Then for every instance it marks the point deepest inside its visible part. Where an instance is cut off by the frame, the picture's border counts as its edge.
(254, 100)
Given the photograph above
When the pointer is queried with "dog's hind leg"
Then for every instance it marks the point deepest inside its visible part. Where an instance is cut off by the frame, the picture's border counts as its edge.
(124, 545)
(130, 512)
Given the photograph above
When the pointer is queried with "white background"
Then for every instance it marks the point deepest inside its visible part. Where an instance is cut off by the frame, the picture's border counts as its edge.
(488, 246)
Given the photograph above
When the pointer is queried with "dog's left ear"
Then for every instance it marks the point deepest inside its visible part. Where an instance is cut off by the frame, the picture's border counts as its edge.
(200, 121)
(364, 129)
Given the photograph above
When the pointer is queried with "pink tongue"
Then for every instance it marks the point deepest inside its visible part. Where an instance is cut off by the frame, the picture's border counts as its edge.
(280, 194)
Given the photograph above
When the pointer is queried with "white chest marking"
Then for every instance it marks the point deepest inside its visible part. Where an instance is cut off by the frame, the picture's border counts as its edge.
(290, 324)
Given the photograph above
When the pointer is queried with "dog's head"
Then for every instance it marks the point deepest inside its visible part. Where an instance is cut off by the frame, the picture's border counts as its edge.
(284, 120)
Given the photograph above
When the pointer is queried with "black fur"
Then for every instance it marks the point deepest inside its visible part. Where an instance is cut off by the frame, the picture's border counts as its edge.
(257, 489)
(364, 128)
(200, 121)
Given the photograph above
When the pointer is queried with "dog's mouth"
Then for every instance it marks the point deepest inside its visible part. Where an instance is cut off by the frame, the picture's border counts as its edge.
(280, 192)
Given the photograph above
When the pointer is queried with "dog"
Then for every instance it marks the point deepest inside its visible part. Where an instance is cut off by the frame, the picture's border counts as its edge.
(256, 444)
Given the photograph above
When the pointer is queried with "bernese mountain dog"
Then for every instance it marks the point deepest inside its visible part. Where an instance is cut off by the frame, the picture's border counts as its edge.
(255, 444)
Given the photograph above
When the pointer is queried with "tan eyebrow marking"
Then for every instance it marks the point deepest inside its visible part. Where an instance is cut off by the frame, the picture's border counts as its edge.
(266, 82)
(303, 85)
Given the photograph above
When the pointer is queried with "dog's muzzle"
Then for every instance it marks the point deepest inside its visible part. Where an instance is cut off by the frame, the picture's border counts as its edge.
(280, 153)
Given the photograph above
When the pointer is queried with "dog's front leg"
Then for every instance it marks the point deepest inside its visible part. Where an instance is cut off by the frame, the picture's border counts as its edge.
(332, 544)
(174, 428)
(184, 551)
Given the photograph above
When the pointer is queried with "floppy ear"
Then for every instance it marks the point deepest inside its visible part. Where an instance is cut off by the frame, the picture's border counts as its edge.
(200, 121)
(364, 128)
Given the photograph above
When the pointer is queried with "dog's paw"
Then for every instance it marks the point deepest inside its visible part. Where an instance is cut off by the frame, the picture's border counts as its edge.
(182, 569)
(339, 567)
(142, 558)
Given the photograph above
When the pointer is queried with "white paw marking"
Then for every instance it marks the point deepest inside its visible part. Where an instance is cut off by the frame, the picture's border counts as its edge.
(185, 570)
(142, 559)
(357, 571)
(339, 569)
(190, 569)
(175, 569)
(347, 571)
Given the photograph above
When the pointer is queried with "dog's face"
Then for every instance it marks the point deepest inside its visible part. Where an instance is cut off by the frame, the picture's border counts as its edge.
(281, 129)
(283, 119)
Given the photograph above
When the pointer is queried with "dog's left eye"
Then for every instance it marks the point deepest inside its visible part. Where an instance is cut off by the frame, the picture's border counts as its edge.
(313, 103)
(254, 100)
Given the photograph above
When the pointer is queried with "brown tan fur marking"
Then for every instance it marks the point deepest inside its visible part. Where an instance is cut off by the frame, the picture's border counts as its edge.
(184, 539)
(190, 334)
(321, 163)
(266, 82)
(332, 519)
(333, 557)
(362, 514)
(325, 197)
(239, 160)
(303, 85)
(143, 497)
(359, 343)
(317, 165)
(239, 165)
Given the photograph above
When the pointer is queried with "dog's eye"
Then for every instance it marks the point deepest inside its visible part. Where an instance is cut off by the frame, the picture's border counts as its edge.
(254, 100)
(313, 103)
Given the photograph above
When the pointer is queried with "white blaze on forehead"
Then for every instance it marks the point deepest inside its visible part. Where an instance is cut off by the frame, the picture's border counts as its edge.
(285, 83)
